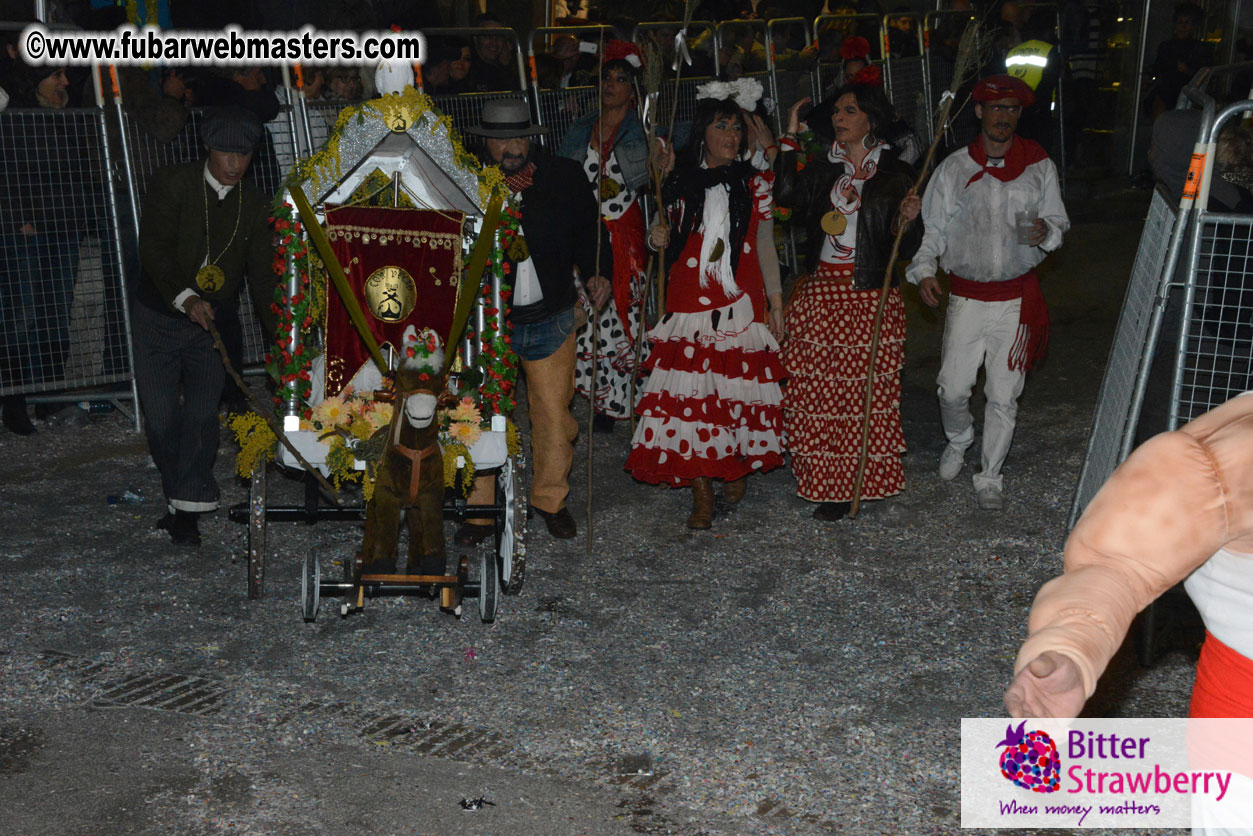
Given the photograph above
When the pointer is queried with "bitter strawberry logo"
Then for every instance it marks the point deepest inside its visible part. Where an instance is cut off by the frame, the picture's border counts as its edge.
(1030, 759)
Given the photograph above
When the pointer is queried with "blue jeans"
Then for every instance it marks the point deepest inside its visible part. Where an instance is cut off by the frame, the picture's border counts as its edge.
(536, 340)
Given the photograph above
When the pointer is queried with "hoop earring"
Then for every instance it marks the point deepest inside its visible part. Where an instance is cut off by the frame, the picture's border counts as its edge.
(869, 141)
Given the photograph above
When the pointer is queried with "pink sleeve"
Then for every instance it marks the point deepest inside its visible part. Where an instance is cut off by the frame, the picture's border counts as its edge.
(762, 187)
(1163, 513)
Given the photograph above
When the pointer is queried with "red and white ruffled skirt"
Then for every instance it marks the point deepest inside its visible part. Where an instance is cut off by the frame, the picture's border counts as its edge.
(711, 406)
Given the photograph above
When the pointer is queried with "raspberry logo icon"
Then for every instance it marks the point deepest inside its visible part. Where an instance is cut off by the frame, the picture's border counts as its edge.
(1030, 759)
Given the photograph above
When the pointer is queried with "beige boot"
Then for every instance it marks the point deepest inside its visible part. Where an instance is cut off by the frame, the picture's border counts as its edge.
(702, 503)
(733, 492)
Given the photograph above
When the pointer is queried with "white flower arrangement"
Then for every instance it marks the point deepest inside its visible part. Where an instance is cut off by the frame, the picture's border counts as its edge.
(746, 92)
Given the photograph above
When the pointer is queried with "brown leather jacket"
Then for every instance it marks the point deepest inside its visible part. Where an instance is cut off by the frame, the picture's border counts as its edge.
(808, 194)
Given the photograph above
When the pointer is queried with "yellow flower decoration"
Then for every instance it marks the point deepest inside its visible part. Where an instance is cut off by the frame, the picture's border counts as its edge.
(256, 442)
(513, 439)
(451, 452)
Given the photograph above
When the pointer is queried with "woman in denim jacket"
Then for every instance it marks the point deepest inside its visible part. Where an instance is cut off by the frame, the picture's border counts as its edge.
(615, 135)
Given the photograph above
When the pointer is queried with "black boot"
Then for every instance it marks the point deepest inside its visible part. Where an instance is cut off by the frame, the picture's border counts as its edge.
(185, 530)
(15, 415)
(832, 511)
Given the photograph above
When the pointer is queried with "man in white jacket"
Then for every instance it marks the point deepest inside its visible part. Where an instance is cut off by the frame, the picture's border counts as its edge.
(992, 212)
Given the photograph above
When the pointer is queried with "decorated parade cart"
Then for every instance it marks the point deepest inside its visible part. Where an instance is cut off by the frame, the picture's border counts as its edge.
(389, 251)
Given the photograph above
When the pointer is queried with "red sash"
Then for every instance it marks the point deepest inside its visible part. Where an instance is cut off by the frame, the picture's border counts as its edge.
(1224, 682)
(1032, 338)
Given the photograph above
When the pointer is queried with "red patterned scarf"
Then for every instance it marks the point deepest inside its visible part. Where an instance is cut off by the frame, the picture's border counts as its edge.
(521, 178)
(1022, 153)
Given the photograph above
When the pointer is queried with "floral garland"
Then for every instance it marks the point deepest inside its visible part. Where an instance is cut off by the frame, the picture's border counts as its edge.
(497, 359)
(289, 365)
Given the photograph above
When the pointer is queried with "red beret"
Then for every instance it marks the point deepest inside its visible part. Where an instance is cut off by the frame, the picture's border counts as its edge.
(1003, 87)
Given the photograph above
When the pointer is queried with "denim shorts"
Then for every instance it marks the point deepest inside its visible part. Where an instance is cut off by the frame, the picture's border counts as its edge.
(536, 340)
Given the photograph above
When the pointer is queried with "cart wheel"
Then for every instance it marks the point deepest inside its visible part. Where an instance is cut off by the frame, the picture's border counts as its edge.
(489, 587)
(311, 587)
(511, 531)
(256, 532)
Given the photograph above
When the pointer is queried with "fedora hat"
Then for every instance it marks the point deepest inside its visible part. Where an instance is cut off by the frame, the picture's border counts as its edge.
(506, 119)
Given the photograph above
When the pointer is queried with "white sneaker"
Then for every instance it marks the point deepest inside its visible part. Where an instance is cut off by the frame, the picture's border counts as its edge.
(952, 461)
(990, 498)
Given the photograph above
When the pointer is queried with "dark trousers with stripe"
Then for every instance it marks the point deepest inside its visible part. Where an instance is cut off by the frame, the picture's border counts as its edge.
(180, 375)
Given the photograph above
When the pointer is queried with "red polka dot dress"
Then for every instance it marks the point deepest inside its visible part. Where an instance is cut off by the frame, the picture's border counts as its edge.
(827, 355)
(711, 405)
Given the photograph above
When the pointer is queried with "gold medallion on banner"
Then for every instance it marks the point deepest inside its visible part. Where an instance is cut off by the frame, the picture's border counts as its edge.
(210, 278)
(390, 294)
(833, 223)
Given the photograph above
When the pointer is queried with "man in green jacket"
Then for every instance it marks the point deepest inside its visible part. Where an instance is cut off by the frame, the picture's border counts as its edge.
(202, 230)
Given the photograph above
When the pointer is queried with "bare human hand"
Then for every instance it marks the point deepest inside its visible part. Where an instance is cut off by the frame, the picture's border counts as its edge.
(659, 237)
(794, 115)
(774, 317)
(198, 311)
(599, 288)
(929, 289)
(1039, 231)
(663, 157)
(911, 206)
(1049, 686)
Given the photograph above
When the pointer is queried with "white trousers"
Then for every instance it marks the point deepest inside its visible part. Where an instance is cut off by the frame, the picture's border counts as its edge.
(980, 334)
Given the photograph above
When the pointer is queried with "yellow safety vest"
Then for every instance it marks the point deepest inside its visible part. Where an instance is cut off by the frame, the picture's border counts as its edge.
(1027, 61)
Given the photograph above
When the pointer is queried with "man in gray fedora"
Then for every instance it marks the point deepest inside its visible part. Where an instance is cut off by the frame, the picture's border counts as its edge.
(559, 230)
(201, 231)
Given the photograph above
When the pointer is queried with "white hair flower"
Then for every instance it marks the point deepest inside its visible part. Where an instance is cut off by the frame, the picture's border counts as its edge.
(746, 92)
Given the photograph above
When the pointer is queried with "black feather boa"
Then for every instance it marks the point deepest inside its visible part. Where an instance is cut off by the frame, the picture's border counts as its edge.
(684, 196)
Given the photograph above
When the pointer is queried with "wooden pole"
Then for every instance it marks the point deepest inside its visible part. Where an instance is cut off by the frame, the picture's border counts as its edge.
(964, 58)
(593, 315)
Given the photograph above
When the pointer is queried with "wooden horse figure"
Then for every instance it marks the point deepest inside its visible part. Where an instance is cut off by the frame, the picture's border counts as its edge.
(410, 475)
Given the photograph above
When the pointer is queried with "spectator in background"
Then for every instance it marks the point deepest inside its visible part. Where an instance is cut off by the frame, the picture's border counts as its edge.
(49, 200)
(343, 84)
(1179, 58)
(486, 72)
(902, 39)
(447, 70)
(245, 87)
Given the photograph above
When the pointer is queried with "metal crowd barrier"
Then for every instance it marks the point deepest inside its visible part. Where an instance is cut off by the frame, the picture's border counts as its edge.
(1209, 303)
(828, 74)
(64, 324)
(1214, 355)
(557, 107)
(905, 79)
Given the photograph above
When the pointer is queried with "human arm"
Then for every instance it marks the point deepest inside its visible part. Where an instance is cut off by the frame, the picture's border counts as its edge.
(939, 205)
(1164, 512)
(1052, 211)
(769, 258)
(789, 189)
(159, 237)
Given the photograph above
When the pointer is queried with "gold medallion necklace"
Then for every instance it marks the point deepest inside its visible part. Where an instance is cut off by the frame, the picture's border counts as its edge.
(211, 278)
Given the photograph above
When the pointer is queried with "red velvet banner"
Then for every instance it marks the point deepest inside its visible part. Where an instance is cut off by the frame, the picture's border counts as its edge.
(403, 265)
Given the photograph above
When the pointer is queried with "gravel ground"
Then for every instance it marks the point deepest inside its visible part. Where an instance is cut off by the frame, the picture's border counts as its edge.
(771, 676)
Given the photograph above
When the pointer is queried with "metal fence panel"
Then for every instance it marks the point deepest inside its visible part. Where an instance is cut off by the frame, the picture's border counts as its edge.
(558, 108)
(1114, 408)
(62, 316)
(908, 91)
(1217, 347)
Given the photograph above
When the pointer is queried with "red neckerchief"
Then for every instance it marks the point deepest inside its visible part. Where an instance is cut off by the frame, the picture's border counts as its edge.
(1022, 153)
(522, 178)
(606, 147)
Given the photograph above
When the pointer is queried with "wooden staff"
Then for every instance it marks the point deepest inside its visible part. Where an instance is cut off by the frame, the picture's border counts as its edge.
(265, 412)
(593, 315)
(689, 7)
(966, 53)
